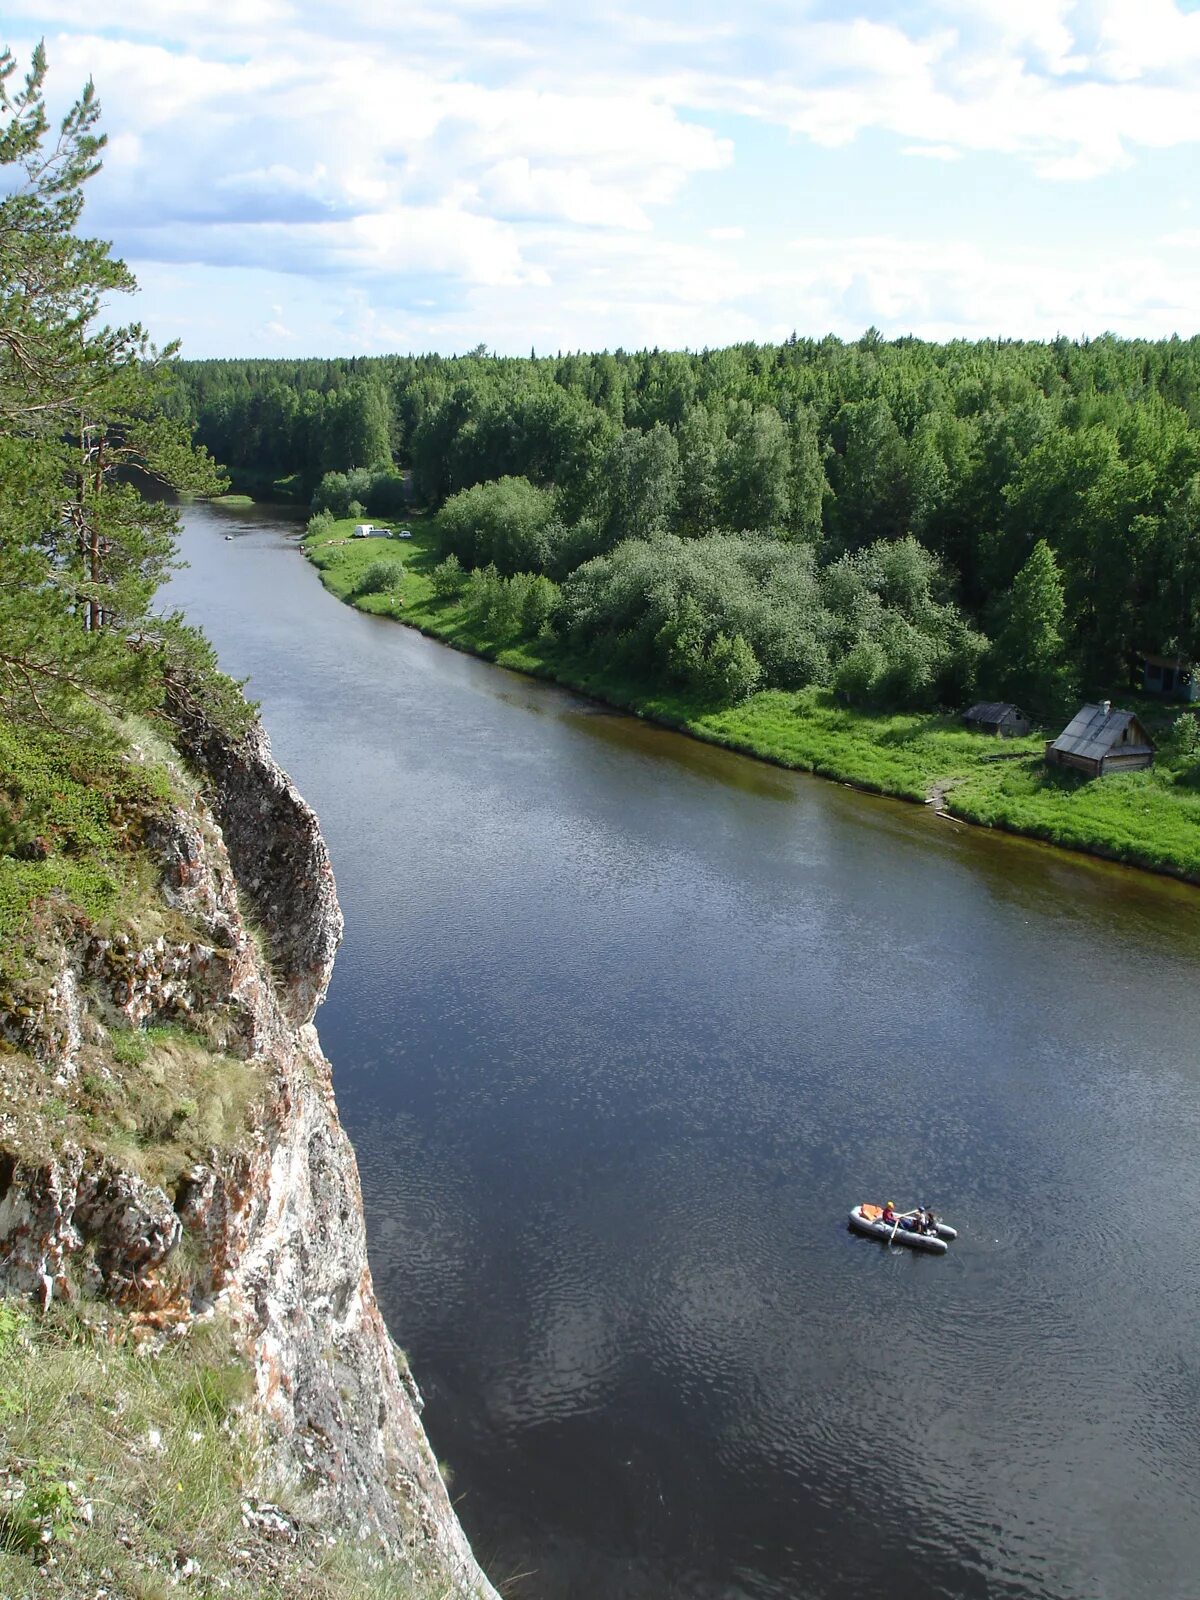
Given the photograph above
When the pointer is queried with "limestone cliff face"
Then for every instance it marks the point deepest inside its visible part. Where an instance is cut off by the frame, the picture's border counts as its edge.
(274, 1227)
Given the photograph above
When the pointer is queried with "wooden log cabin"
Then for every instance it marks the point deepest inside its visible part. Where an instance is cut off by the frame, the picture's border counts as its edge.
(1098, 740)
(999, 718)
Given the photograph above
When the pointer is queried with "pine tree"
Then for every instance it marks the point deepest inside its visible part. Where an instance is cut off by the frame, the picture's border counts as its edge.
(81, 551)
(1029, 653)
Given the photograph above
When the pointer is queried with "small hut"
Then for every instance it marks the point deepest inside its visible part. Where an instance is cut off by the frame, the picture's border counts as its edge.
(1170, 675)
(998, 718)
(1098, 740)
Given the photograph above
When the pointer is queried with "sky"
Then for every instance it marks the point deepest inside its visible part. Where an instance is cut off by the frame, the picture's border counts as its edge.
(293, 178)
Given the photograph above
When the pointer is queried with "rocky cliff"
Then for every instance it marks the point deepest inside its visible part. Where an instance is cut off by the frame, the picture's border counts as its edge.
(269, 1220)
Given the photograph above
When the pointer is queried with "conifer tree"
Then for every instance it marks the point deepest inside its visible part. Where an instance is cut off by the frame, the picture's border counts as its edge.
(1029, 649)
(81, 422)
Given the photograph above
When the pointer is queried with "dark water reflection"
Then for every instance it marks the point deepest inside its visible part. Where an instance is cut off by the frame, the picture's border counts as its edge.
(621, 1028)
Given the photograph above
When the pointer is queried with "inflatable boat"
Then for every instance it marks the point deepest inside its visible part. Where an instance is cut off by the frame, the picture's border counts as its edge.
(867, 1219)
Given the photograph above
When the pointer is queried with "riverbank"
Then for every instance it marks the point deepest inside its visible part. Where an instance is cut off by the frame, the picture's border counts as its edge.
(1146, 819)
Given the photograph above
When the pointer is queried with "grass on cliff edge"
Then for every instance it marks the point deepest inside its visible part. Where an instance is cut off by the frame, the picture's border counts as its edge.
(1148, 819)
(139, 1474)
(73, 813)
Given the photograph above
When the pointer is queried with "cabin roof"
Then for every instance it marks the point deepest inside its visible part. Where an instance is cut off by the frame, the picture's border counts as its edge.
(1181, 663)
(994, 711)
(1095, 730)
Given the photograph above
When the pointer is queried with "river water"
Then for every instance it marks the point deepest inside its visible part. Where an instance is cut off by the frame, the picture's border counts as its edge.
(622, 1027)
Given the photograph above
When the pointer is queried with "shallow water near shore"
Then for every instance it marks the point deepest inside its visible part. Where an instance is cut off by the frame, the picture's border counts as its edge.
(622, 1027)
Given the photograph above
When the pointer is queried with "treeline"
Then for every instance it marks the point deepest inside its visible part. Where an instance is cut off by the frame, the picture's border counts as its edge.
(1042, 501)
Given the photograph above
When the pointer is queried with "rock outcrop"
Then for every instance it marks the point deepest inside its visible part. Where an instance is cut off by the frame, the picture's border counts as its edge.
(274, 1224)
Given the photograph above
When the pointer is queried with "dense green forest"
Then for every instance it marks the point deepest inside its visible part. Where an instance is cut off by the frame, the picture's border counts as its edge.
(904, 522)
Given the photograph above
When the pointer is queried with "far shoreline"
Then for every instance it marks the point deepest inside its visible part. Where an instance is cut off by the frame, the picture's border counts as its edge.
(1142, 820)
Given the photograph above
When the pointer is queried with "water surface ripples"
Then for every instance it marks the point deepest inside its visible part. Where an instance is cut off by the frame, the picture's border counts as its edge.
(623, 1025)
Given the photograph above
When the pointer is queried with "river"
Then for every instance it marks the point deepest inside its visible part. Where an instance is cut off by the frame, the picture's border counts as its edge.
(621, 1028)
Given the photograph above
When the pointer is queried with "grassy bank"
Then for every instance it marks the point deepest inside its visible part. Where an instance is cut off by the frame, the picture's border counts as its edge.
(134, 1471)
(1147, 819)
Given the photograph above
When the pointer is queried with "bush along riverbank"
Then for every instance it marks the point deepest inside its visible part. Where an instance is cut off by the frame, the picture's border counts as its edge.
(1149, 819)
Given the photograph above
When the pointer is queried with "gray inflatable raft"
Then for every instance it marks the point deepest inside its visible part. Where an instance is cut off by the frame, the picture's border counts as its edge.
(938, 1244)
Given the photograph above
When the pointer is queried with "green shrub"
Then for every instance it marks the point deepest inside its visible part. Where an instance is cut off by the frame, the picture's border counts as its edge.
(41, 1509)
(484, 587)
(731, 671)
(129, 1046)
(860, 672)
(380, 490)
(539, 604)
(381, 577)
(447, 578)
(13, 1320)
(504, 523)
(1185, 735)
(76, 810)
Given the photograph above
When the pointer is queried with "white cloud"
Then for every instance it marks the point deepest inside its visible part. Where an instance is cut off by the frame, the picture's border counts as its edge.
(147, 16)
(396, 155)
(948, 289)
(1139, 38)
(603, 290)
(932, 152)
(514, 188)
(1036, 30)
(562, 170)
(991, 75)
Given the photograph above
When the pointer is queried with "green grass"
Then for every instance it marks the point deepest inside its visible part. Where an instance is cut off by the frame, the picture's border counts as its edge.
(113, 1458)
(1147, 819)
(154, 1100)
(74, 816)
(159, 1098)
(120, 1461)
(73, 813)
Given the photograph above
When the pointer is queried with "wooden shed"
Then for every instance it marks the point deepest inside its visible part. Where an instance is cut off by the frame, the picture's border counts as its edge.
(999, 718)
(1098, 740)
(1170, 675)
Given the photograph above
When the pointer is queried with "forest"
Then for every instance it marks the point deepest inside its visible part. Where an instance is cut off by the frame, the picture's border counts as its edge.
(905, 523)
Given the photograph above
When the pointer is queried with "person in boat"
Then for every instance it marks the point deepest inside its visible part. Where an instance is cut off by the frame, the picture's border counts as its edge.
(927, 1220)
(889, 1213)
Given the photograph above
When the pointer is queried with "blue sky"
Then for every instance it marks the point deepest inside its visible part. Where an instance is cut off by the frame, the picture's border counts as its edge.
(291, 178)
